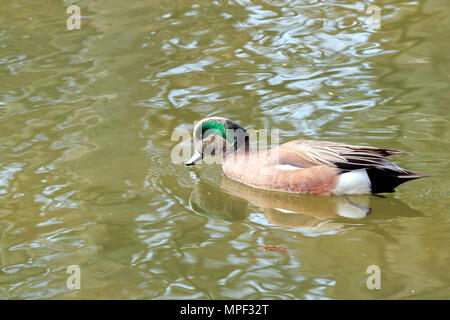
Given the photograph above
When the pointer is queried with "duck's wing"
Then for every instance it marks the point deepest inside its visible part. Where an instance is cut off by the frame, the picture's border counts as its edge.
(308, 153)
(384, 175)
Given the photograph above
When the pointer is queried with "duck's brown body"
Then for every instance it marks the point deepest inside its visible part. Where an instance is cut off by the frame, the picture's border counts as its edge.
(318, 167)
(259, 169)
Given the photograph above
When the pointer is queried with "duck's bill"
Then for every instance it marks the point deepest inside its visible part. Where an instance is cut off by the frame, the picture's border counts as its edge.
(196, 157)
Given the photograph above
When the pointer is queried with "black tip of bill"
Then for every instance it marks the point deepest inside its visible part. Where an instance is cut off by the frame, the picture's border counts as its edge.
(197, 156)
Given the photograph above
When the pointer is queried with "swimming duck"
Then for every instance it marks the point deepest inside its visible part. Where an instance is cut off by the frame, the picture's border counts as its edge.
(299, 166)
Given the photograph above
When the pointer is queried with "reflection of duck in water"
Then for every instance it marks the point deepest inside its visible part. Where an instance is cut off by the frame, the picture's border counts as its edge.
(300, 166)
(320, 213)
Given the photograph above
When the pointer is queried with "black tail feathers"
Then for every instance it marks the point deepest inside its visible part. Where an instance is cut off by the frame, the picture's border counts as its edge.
(386, 180)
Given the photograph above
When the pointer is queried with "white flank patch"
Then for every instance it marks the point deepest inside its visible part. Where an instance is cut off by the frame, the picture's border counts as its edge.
(286, 167)
(353, 182)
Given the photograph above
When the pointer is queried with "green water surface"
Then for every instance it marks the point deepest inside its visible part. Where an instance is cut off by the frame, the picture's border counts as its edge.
(86, 177)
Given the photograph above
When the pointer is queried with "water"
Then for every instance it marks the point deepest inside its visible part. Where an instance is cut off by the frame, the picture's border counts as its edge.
(86, 118)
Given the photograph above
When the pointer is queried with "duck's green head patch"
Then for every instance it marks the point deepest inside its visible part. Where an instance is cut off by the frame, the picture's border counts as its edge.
(214, 127)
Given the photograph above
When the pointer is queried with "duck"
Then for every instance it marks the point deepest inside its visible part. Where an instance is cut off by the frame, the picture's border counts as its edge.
(299, 166)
